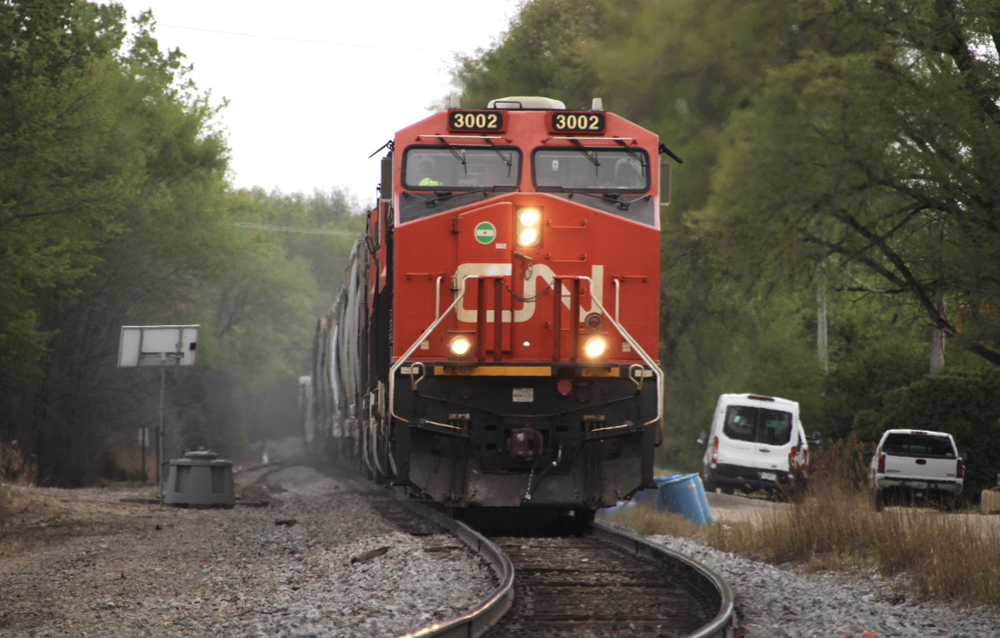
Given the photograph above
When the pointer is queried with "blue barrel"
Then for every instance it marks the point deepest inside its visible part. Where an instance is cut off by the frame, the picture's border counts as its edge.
(685, 494)
(650, 497)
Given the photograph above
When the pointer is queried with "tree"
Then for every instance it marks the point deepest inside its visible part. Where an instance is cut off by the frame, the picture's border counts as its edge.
(540, 54)
(885, 155)
(106, 168)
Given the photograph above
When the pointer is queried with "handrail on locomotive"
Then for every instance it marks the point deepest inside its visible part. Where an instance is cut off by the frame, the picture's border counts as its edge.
(655, 369)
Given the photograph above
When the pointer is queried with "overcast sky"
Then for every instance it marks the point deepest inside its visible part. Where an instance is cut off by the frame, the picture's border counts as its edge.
(316, 86)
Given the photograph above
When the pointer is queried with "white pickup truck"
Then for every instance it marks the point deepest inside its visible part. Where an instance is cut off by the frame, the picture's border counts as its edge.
(916, 465)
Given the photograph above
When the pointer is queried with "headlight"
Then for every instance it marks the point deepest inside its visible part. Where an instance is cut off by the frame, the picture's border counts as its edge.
(460, 346)
(529, 226)
(595, 347)
(528, 237)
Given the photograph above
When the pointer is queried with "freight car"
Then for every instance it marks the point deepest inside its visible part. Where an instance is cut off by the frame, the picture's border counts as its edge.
(495, 340)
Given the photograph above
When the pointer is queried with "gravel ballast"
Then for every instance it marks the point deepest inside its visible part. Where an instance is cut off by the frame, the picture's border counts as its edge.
(780, 602)
(320, 559)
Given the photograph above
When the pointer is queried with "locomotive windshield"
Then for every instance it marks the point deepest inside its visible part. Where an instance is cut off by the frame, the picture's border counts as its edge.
(612, 179)
(598, 169)
(444, 177)
(461, 167)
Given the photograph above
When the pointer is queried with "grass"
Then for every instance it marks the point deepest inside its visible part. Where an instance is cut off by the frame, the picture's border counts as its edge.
(645, 520)
(947, 557)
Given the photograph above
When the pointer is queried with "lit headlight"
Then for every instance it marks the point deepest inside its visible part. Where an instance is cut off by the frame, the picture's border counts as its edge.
(529, 226)
(460, 346)
(595, 347)
(530, 216)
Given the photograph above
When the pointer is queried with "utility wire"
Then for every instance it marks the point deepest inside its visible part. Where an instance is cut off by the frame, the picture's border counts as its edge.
(290, 229)
(306, 41)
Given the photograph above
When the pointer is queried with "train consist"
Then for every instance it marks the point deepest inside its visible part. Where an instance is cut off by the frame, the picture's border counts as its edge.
(495, 340)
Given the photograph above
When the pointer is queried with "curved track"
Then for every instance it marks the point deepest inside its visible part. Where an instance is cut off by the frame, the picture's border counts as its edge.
(603, 582)
(571, 580)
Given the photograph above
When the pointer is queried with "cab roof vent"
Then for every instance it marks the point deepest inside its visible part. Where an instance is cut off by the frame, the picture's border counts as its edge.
(527, 103)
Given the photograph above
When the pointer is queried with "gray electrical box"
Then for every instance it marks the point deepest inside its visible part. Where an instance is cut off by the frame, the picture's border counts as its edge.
(200, 479)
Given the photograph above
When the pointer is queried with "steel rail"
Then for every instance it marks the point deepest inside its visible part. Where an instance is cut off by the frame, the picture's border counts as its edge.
(722, 625)
(477, 621)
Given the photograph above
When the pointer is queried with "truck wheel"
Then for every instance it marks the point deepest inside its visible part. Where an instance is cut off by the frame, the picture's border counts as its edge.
(952, 503)
(879, 500)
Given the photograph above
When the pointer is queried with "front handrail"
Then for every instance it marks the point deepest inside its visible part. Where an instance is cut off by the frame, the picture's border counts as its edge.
(635, 345)
(461, 294)
(406, 355)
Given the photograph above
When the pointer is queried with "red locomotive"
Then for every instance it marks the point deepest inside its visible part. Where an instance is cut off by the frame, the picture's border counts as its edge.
(495, 341)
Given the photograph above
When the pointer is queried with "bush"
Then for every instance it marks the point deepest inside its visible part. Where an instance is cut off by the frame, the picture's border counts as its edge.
(841, 463)
(966, 404)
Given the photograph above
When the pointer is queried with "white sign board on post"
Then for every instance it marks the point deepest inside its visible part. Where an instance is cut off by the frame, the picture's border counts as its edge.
(157, 345)
(161, 346)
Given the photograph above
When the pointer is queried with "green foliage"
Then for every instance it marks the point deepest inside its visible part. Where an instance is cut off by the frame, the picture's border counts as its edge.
(114, 210)
(881, 149)
(540, 54)
(965, 404)
(873, 350)
(283, 262)
(320, 229)
(763, 348)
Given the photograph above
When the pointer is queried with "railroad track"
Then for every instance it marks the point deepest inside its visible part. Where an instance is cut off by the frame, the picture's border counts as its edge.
(566, 580)
(598, 582)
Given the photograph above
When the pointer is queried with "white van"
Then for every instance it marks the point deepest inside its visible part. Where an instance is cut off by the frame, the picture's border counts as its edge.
(756, 443)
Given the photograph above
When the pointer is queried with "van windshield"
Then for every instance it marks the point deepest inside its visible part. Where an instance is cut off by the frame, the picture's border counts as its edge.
(758, 425)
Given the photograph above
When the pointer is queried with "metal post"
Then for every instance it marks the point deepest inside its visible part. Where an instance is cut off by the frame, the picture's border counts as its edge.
(159, 449)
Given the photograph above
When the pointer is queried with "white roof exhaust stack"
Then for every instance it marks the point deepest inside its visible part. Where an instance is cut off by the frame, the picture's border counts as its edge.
(455, 101)
(597, 104)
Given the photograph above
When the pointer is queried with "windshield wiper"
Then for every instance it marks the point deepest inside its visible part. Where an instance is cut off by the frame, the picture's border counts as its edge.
(440, 196)
(593, 158)
(507, 160)
(458, 156)
(636, 156)
(606, 196)
(623, 205)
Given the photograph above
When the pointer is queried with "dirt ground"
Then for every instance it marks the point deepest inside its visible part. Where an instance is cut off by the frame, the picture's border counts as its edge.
(114, 561)
(734, 508)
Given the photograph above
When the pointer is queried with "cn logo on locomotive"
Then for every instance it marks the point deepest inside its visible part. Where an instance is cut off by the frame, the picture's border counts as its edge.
(531, 287)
